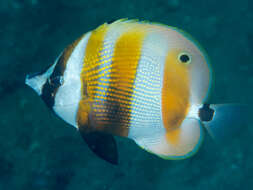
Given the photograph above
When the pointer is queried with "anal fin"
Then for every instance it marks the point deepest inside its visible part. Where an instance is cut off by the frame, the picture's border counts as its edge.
(103, 145)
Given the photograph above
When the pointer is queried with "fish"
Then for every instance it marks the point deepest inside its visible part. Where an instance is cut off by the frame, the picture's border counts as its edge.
(140, 80)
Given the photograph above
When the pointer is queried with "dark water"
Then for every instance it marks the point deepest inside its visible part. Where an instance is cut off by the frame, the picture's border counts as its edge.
(39, 151)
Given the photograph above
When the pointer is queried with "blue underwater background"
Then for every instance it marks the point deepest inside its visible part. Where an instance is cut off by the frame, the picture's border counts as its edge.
(39, 151)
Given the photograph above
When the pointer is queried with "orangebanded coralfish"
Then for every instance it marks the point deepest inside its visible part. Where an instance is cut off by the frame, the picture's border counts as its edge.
(145, 81)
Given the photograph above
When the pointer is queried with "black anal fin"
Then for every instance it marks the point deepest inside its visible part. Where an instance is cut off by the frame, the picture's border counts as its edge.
(103, 145)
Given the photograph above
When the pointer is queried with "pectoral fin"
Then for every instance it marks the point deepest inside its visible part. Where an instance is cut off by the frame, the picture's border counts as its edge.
(103, 145)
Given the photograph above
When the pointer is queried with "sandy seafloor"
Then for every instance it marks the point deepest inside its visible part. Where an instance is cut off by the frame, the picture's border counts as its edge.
(39, 151)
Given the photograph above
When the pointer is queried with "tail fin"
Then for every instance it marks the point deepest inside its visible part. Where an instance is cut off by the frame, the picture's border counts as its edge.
(224, 120)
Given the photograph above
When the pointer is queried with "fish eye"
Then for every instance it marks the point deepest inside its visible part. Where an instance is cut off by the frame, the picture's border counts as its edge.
(184, 58)
(56, 81)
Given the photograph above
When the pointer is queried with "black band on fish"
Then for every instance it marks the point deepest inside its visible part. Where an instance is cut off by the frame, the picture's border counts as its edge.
(50, 88)
(52, 85)
(206, 113)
